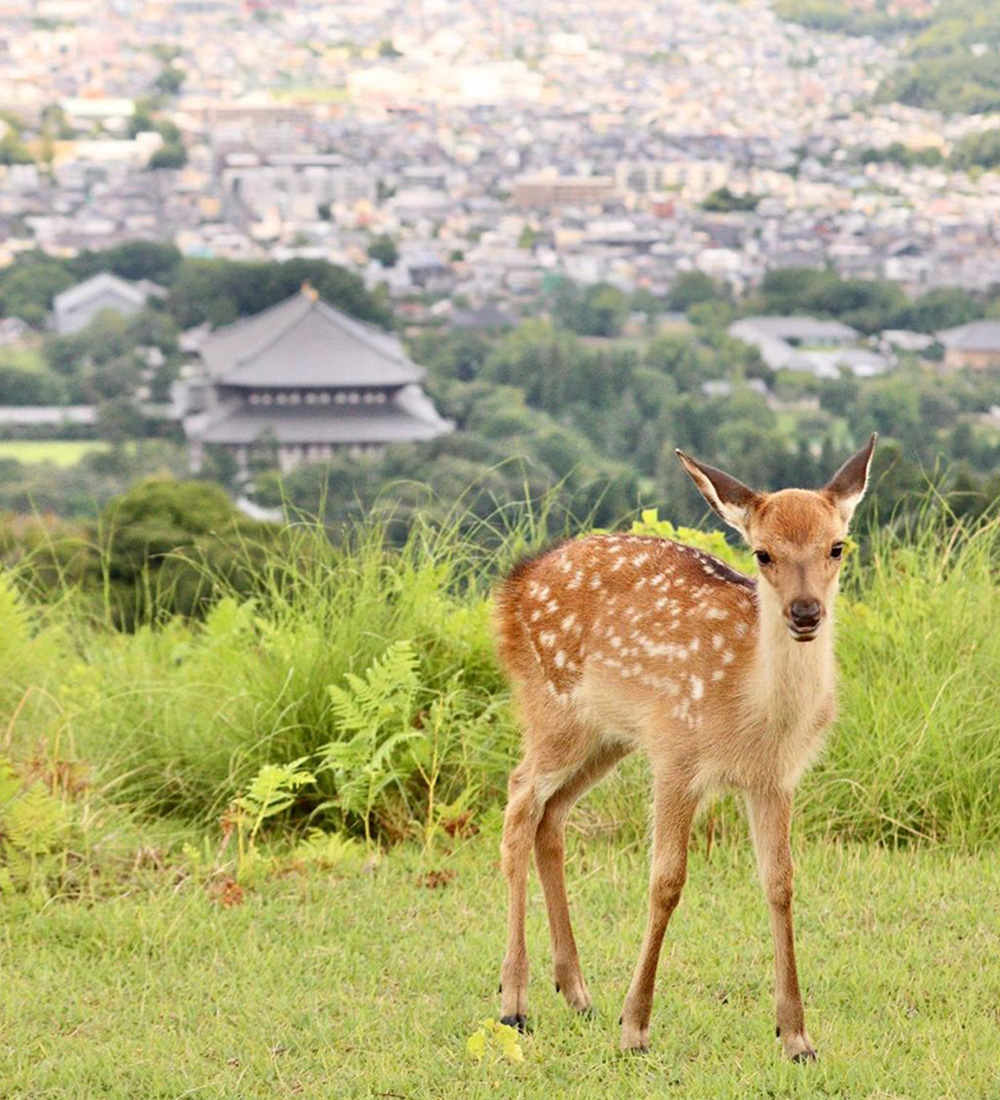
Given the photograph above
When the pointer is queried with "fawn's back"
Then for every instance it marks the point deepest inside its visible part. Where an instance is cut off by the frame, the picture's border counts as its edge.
(643, 640)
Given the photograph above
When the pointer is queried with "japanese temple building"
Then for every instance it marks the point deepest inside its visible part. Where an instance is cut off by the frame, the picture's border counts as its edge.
(308, 380)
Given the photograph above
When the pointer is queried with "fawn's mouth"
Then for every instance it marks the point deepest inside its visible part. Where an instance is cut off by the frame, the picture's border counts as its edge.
(803, 631)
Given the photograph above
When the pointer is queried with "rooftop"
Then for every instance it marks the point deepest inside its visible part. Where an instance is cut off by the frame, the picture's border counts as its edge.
(802, 329)
(304, 343)
(975, 336)
(98, 284)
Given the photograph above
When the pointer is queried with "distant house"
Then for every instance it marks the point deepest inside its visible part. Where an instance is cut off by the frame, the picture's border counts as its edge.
(904, 340)
(75, 308)
(975, 345)
(822, 348)
(309, 381)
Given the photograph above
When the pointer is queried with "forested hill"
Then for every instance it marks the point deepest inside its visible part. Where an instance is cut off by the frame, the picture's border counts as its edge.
(949, 58)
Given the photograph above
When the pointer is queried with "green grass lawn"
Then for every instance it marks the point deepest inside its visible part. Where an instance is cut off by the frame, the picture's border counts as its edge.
(368, 984)
(62, 452)
(27, 359)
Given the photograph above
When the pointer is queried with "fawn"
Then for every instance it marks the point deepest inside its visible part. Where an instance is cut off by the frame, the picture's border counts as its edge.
(618, 642)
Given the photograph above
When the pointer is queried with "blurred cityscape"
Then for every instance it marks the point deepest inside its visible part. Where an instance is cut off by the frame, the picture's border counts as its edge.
(311, 250)
(495, 144)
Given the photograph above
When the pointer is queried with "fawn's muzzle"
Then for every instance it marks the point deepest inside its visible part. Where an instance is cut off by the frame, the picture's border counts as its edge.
(804, 617)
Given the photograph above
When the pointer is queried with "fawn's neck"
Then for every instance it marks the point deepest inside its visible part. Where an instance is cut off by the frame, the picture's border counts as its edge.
(790, 680)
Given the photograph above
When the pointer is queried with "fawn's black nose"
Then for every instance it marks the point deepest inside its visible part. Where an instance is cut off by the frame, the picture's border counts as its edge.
(805, 615)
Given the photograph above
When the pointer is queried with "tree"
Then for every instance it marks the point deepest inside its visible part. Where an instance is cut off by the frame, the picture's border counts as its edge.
(168, 156)
(788, 290)
(940, 308)
(170, 79)
(980, 150)
(724, 201)
(22, 387)
(12, 148)
(27, 289)
(384, 250)
(690, 287)
(118, 420)
(596, 310)
(221, 291)
(157, 261)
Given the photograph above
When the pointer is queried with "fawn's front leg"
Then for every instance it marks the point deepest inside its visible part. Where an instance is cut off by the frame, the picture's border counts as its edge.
(770, 823)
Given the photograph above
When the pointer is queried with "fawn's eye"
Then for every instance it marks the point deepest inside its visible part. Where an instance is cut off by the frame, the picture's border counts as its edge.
(837, 551)
(762, 556)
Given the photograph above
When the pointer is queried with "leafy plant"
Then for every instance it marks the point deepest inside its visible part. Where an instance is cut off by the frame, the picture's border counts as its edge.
(325, 851)
(33, 828)
(377, 710)
(495, 1042)
(271, 791)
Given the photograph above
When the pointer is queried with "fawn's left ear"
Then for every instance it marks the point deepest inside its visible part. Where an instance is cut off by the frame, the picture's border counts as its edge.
(848, 484)
(730, 499)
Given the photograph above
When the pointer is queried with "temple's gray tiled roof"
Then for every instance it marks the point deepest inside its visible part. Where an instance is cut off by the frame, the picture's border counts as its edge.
(350, 424)
(303, 343)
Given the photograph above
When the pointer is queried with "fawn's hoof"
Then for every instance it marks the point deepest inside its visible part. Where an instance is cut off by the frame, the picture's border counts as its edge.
(519, 1022)
(635, 1039)
(574, 989)
(799, 1047)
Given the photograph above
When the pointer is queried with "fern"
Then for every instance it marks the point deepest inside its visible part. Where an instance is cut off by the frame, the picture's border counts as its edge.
(326, 851)
(35, 822)
(377, 709)
(272, 790)
(390, 682)
(34, 826)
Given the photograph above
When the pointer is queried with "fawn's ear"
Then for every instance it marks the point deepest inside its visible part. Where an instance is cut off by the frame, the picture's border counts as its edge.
(730, 499)
(848, 484)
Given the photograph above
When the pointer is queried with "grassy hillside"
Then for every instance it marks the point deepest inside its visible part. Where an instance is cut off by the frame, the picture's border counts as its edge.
(261, 848)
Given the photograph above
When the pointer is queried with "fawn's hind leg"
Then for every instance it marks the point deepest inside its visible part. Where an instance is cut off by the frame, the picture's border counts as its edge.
(550, 860)
(524, 812)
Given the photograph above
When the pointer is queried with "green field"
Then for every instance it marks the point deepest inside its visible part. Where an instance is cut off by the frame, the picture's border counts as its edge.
(61, 452)
(27, 359)
(369, 983)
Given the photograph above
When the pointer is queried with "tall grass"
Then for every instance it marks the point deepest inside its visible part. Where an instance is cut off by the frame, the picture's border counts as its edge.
(915, 755)
(177, 717)
(186, 713)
